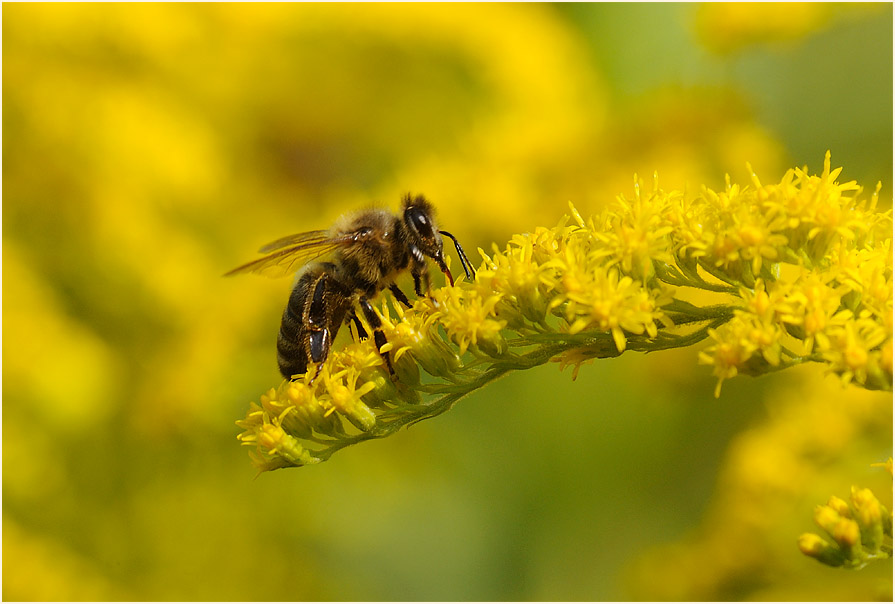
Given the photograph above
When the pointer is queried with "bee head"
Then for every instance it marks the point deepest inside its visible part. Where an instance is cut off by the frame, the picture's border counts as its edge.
(423, 234)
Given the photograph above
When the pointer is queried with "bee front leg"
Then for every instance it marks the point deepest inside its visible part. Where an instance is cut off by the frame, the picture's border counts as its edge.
(376, 325)
(420, 277)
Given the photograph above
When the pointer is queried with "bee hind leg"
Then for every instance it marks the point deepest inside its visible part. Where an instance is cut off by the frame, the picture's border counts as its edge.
(316, 375)
(318, 350)
(378, 336)
(321, 318)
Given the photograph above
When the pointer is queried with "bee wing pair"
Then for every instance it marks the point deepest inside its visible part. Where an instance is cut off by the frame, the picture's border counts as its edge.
(287, 254)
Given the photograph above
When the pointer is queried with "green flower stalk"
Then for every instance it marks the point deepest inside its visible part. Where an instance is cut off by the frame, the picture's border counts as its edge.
(772, 275)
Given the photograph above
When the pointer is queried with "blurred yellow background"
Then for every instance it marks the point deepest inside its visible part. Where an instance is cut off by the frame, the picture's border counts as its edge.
(147, 149)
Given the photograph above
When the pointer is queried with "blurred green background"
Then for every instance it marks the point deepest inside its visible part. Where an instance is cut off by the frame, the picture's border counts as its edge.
(149, 148)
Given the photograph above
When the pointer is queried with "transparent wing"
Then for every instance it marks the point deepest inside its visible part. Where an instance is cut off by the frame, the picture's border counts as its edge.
(306, 237)
(290, 253)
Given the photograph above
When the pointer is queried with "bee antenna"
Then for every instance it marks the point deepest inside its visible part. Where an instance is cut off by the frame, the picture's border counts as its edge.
(467, 265)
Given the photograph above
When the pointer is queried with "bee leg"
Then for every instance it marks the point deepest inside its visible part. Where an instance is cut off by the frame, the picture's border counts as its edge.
(322, 319)
(316, 374)
(378, 336)
(399, 295)
(420, 277)
(416, 284)
(318, 349)
(352, 318)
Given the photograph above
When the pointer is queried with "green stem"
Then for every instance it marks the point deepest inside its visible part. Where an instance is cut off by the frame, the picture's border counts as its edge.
(448, 400)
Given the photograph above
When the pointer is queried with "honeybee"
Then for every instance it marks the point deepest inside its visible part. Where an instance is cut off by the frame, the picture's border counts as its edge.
(371, 248)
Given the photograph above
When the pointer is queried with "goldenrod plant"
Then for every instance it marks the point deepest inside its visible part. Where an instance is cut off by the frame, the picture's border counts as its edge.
(771, 275)
(861, 530)
(153, 146)
(809, 440)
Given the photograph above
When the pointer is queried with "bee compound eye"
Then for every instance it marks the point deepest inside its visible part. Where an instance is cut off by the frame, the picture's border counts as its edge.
(420, 222)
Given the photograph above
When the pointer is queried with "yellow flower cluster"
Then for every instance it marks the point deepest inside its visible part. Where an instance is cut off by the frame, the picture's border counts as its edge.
(861, 531)
(811, 439)
(830, 296)
(797, 271)
(299, 411)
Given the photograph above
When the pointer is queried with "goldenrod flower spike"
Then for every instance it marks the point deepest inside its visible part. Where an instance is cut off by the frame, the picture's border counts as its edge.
(798, 271)
(861, 531)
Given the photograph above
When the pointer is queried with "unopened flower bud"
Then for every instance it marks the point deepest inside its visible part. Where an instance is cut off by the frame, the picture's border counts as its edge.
(868, 514)
(814, 546)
